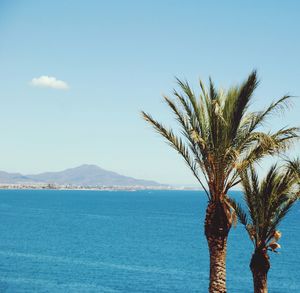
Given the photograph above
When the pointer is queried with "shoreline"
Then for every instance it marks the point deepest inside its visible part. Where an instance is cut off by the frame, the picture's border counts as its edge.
(92, 188)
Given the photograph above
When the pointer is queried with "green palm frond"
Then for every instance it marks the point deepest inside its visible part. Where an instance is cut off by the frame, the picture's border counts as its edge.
(280, 213)
(176, 143)
(259, 144)
(236, 105)
(294, 166)
(241, 214)
(275, 107)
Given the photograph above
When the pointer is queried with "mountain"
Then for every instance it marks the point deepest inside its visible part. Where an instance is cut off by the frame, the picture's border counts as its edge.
(12, 178)
(84, 175)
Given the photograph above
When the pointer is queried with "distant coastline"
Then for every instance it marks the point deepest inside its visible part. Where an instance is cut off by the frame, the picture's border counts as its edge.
(47, 186)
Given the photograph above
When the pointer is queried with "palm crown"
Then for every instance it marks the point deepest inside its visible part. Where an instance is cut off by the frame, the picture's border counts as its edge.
(267, 203)
(220, 137)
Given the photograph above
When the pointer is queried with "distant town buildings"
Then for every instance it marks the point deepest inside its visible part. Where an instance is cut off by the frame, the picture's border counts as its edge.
(41, 186)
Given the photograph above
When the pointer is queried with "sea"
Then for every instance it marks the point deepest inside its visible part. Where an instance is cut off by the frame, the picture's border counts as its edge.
(121, 241)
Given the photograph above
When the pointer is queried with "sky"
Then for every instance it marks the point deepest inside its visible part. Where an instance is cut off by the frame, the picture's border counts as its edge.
(76, 74)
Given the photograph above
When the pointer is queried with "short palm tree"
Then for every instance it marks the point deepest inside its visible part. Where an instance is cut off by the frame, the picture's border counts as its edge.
(219, 138)
(268, 202)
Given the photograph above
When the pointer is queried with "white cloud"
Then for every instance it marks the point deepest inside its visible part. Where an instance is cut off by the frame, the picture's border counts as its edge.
(49, 81)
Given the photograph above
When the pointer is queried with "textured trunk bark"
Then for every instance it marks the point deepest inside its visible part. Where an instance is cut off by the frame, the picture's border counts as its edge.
(217, 272)
(260, 282)
(217, 226)
(260, 265)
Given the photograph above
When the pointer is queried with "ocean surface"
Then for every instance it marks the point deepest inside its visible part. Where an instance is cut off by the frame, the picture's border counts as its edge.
(144, 241)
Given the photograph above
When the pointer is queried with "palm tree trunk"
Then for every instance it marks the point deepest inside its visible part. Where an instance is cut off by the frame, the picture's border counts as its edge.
(217, 226)
(260, 265)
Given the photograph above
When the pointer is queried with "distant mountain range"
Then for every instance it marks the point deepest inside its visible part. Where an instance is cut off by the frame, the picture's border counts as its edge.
(84, 175)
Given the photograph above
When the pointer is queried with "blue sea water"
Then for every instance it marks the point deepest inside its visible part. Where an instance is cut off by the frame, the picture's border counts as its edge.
(144, 241)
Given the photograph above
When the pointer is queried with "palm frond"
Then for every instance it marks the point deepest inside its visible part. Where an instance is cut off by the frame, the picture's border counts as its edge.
(241, 214)
(176, 143)
(236, 104)
(294, 166)
(275, 107)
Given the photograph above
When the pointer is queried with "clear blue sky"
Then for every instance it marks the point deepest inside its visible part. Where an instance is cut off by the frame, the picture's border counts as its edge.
(118, 57)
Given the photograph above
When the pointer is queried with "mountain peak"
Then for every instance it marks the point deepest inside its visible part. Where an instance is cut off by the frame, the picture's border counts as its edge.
(88, 166)
(83, 175)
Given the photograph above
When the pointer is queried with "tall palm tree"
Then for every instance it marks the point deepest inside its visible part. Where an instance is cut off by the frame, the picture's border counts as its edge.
(219, 138)
(268, 202)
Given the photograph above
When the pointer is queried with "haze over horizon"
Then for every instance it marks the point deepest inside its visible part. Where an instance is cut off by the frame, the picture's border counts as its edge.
(75, 75)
